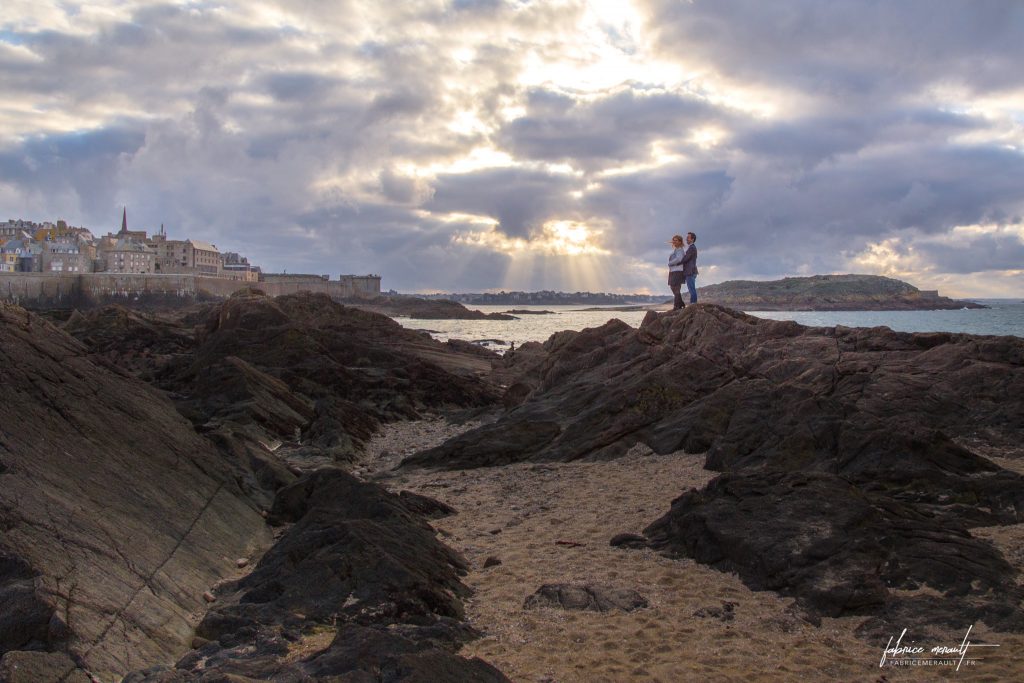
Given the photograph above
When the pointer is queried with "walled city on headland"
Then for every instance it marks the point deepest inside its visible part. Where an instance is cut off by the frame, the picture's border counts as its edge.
(57, 265)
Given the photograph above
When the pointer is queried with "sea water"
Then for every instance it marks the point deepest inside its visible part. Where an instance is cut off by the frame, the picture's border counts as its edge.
(1003, 317)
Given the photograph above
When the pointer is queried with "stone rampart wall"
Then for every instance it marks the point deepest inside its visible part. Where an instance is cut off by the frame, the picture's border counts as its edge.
(67, 290)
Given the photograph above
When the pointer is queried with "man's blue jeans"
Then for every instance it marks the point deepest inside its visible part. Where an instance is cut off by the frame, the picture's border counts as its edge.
(691, 284)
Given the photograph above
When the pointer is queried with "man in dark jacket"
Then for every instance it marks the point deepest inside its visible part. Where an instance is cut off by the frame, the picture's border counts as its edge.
(690, 266)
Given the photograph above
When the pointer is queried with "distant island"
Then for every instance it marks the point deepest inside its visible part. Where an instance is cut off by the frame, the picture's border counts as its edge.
(828, 293)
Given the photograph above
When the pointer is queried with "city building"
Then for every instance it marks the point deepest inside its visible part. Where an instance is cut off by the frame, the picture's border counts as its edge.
(205, 259)
(237, 267)
(185, 256)
(172, 256)
(128, 256)
(11, 254)
(16, 229)
(65, 256)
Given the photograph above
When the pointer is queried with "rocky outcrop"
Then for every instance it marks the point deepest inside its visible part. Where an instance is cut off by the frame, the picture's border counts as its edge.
(116, 515)
(122, 524)
(424, 309)
(857, 452)
(139, 342)
(299, 377)
(585, 598)
(841, 550)
(356, 562)
(828, 293)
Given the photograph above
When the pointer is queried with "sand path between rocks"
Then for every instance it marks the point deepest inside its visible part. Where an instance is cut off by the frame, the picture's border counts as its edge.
(551, 523)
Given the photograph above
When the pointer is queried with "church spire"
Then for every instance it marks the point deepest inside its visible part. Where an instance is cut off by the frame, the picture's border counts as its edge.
(124, 220)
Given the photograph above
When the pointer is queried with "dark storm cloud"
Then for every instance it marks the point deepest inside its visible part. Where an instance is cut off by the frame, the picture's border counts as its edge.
(416, 252)
(807, 142)
(299, 87)
(849, 49)
(146, 56)
(972, 254)
(520, 200)
(616, 128)
(653, 205)
(476, 5)
(86, 165)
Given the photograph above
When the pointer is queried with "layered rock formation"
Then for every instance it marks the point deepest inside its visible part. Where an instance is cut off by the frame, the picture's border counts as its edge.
(355, 565)
(852, 456)
(116, 515)
(121, 518)
(298, 380)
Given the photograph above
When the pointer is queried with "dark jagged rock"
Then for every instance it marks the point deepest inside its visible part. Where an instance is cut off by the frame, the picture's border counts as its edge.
(116, 516)
(355, 559)
(589, 598)
(888, 430)
(838, 549)
(431, 508)
(631, 541)
(140, 342)
(884, 408)
(299, 377)
(727, 612)
(473, 348)
(33, 666)
(504, 445)
(25, 615)
(114, 579)
(424, 309)
(357, 368)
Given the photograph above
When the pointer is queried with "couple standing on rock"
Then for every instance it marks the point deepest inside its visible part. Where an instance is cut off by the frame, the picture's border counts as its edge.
(682, 267)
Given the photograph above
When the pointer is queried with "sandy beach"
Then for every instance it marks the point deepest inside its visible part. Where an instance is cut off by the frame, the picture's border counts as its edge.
(551, 523)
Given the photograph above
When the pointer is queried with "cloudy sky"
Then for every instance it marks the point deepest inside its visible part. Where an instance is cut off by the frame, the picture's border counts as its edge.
(468, 145)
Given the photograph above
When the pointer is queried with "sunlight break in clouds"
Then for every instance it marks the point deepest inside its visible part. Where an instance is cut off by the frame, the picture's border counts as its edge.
(562, 251)
(556, 238)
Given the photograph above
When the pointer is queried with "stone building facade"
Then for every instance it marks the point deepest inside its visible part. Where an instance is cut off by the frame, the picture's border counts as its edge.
(127, 256)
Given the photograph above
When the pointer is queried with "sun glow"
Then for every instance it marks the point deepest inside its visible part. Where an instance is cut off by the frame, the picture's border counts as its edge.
(556, 238)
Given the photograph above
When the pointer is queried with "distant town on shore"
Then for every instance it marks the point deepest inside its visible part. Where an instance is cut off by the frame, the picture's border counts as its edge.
(56, 265)
(30, 247)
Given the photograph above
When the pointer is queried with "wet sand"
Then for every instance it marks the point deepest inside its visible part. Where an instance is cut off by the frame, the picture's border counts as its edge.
(551, 523)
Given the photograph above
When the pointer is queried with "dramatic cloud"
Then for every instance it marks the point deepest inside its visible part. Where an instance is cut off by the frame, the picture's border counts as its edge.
(483, 144)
